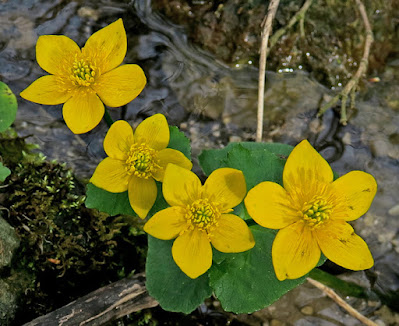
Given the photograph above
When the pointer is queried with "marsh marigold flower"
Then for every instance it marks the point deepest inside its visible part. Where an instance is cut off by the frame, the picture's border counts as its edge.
(312, 212)
(200, 215)
(85, 78)
(136, 160)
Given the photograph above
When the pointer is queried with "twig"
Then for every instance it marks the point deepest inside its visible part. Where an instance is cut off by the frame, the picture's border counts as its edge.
(299, 16)
(352, 84)
(353, 312)
(267, 26)
(102, 306)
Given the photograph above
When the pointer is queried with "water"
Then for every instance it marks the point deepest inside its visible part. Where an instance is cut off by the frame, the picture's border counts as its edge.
(215, 103)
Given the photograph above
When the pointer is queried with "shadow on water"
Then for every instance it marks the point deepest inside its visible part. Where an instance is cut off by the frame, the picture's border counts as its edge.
(215, 103)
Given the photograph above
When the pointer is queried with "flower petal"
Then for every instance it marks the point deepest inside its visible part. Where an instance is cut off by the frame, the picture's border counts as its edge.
(192, 252)
(354, 193)
(111, 175)
(120, 85)
(169, 155)
(306, 171)
(107, 46)
(142, 195)
(340, 244)
(56, 52)
(118, 140)
(153, 131)
(83, 112)
(167, 223)
(180, 187)
(46, 90)
(231, 234)
(294, 252)
(226, 186)
(270, 205)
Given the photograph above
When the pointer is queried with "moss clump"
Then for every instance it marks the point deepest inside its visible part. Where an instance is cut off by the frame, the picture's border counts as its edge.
(69, 249)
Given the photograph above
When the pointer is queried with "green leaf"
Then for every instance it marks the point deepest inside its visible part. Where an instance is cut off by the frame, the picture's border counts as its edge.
(173, 289)
(213, 159)
(257, 165)
(246, 282)
(4, 172)
(179, 141)
(8, 107)
(118, 203)
(108, 202)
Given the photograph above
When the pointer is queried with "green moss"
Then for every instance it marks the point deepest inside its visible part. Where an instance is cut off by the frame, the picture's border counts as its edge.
(67, 249)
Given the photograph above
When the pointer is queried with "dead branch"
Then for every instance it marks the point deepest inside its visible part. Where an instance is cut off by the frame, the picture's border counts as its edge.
(353, 82)
(330, 293)
(299, 16)
(108, 303)
(267, 27)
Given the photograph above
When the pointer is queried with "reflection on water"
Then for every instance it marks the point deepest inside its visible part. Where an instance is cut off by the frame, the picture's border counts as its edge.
(214, 103)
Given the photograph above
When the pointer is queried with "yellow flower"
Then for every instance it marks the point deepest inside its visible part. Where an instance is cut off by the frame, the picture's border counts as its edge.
(134, 161)
(200, 216)
(312, 212)
(85, 79)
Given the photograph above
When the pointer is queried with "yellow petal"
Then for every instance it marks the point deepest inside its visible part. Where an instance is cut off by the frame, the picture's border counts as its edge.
(46, 90)
(354, 193)
(83, 112)
(107, 46)
(306, 171)
(111, 175)
(169, 155)
(294, 252)
(180, 187)
(232, 234)
(226, 186)
(56, 52)
(142, 195)
(118, 140)
(192, 252)
(153, 131)
(270, 205)
(340, 244)
(167, 223)
(120, 85)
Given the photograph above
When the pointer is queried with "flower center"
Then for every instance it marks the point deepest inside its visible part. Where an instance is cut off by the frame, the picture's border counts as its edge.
(83, 72)
(316, 211)
(142, 161)
(203, 214)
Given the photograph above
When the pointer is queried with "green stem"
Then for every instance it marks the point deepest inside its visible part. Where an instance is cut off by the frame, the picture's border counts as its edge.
(344, 287)
(108, 118)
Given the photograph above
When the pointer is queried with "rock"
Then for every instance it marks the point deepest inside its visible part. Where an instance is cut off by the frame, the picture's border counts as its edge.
(234, 139)
(8, 305)
(394, 211)
(307, 310)
(8, 242)
(276, 322)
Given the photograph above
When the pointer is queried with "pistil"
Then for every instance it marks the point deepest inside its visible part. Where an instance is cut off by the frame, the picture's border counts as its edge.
(316, 211)
(83, 73)
(142, 161)
(203, 214)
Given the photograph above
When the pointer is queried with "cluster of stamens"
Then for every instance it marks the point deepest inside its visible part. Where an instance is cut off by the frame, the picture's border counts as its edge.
(83, 73)
(142, 161)
(202, 214)
(316, 211)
